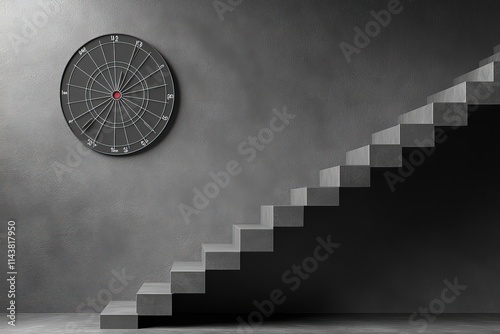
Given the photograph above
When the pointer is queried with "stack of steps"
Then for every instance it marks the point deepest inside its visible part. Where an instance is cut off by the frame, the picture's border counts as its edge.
(415, 129)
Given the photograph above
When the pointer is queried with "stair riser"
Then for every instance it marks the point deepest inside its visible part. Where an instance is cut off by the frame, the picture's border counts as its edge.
(450, 114)
(187, 282)
(254, 240)
(119, 322)
(119, 315)
(154, 304)
(345, 176)
(406, 135)
(376, 156)
(282, 216)
(221, 261)
(315, 196)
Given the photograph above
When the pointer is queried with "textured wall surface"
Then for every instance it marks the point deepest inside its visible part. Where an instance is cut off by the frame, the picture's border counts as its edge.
(106, 213)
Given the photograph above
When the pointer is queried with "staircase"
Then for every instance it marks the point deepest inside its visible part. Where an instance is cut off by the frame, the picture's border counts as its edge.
(415, 129)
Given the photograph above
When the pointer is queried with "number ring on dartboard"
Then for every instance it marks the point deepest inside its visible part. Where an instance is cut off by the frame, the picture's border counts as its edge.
(117, 94)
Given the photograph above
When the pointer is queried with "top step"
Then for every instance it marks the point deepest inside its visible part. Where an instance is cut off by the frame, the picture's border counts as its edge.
(487, 73)
(495, 57)
(490, 59)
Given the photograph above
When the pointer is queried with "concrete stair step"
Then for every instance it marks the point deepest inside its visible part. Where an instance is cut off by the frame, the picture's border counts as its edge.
(154, 299)
(486, 73)
(282, 216)
(324, 196)
(469, 92)
(439, 114)
(119, 315)
(490, 59)
(376, 156)
(406, 135)
(253, 238)
(187, 277)
(345, 176)
(220, 257)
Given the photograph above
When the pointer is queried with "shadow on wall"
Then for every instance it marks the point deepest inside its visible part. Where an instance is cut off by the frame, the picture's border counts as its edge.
(398, 249)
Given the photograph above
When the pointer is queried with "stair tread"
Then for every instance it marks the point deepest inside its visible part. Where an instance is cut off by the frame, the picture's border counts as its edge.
(162, 288)
(220, 248)
(120, 308)
(401, 126)
(371, 145)
(338, 167)
(253, 227)
(360, 148)
(344, 166)
(390, 128)
(315, 188)
(188, 266)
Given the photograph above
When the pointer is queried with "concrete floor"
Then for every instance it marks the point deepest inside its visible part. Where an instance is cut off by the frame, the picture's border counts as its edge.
(359, 324)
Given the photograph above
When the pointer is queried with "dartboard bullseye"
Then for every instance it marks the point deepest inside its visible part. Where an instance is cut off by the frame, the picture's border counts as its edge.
(117, 94)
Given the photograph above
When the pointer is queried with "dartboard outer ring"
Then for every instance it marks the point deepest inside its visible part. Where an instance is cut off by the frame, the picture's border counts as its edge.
(117, 94)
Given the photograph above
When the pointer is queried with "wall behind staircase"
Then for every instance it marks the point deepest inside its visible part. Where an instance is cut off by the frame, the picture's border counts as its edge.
(103, 214)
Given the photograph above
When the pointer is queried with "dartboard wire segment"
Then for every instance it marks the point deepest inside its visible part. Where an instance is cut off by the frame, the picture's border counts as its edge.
(117, 94)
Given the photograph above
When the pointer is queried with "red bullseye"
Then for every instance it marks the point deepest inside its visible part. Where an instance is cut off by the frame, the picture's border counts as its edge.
(117, 95)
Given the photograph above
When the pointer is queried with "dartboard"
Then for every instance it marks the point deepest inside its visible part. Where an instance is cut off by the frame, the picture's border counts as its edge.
(117, 94)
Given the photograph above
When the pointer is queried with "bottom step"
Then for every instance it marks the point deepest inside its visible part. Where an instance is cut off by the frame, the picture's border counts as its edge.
(119, 315)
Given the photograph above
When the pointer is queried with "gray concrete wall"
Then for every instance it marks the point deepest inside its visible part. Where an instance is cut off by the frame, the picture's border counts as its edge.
(106, 213)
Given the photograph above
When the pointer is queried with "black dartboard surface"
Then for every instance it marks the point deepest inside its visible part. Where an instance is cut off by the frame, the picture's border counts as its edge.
(117, 94)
